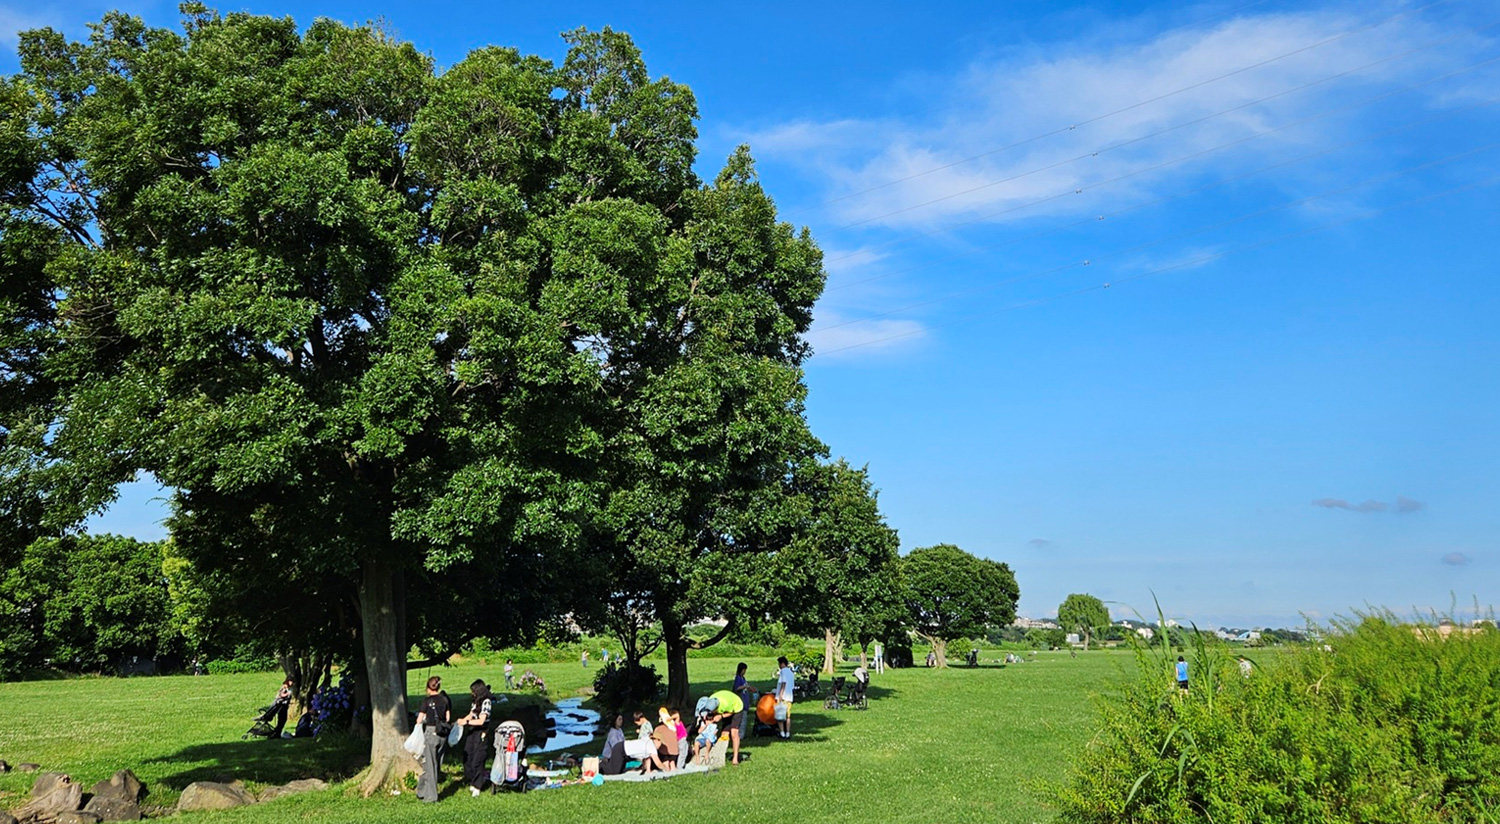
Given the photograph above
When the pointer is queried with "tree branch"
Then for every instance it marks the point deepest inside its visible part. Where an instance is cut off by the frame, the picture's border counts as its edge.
(728, 627)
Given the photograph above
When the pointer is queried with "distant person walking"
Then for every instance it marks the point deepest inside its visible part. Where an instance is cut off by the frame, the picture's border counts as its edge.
(585, 659)
(879, 657)
(786, 686)
(510, 675)
(1182, 674)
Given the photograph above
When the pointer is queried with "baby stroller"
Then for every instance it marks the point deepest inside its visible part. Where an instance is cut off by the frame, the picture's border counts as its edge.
(834, 701)
(262, 727)
(809, 688)
(856, 698)
(509, 773)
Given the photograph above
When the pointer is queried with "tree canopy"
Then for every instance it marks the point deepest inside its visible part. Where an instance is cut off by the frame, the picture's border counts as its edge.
(395, 336)
(1083, 614)
(951, 594)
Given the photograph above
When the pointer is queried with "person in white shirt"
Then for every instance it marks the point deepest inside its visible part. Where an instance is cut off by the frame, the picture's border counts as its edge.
(786, 685)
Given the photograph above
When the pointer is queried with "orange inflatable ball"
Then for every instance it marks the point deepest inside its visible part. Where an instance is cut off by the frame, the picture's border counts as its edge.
(765, 709)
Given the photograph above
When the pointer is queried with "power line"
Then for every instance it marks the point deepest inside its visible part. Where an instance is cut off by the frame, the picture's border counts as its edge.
(1172, 162)
(1209, 258)
(1078, 264)
(1158, 133)
(1133, 106)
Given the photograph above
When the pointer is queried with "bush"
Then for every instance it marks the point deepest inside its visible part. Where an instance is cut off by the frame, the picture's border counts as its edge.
(1388, 723)
(245, 659)
(618, 687)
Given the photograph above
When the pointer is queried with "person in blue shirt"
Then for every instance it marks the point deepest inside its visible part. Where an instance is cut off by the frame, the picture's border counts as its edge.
(1182, 675)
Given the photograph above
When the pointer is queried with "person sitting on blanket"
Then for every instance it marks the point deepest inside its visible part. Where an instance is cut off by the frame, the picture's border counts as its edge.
(612, 760)
(664, 756)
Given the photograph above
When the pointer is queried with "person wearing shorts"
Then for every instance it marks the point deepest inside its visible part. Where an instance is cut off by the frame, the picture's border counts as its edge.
(786, 685)
(732, 715)
(1182, 674)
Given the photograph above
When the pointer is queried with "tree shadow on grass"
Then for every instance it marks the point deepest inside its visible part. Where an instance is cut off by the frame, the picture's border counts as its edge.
(274, 761)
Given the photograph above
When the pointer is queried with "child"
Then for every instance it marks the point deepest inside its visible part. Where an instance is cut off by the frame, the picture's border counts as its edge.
(708, 733)
(682, 739)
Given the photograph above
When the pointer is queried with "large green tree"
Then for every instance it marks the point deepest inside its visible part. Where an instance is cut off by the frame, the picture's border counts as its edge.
(408, 337)
(1083, 614)
(86, 603)
(951, 594)
(846, 585)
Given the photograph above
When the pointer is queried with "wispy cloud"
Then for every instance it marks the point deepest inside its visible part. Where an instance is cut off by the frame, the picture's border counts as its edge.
(838, 339)
(1041, 543)
(972, 156)
(1340, 503)
(1456, 559)
(1403, 505)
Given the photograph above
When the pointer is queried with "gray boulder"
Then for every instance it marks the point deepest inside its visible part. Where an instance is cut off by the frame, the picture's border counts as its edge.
(77, 817)
(302, 785)
(122, 785)
(52, 794)
(211, 795)
(7, 818)
(111, 808)
(27, 766)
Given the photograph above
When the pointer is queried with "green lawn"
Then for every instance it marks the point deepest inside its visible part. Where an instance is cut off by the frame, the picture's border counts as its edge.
(936, 745)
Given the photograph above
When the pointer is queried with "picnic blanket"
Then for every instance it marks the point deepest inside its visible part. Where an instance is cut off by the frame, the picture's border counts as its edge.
(690, 769)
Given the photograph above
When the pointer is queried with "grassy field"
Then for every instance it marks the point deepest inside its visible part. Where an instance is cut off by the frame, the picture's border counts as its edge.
(951, 745)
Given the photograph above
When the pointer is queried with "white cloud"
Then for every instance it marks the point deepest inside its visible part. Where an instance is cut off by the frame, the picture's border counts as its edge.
(913, 173)
(832, 336)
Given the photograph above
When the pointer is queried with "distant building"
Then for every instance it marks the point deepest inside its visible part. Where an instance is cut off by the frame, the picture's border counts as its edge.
(1035, 623)
(1145, 632)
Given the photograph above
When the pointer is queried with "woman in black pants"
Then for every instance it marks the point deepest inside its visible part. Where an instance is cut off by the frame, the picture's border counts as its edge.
(477, 739)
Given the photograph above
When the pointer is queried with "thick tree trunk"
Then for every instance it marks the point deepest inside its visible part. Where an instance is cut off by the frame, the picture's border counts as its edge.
(675, 637)
(940, 649)
(385, 671)
(830, 650)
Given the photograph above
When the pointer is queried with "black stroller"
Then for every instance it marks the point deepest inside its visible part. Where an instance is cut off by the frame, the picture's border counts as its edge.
(848, 694)
(809, 688)
(509, 773)
(263, 727)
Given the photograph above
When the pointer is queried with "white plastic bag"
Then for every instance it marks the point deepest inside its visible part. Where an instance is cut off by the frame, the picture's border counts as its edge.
(455, 735)
(413, 743)
(780, 714)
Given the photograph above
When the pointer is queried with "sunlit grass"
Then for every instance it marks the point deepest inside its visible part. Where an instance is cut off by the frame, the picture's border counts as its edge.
(961, 744)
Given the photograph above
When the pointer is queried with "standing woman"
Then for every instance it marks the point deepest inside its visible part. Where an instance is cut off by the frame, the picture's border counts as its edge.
(742, 689)
(433, 719)
(279, 707)
(477, 741)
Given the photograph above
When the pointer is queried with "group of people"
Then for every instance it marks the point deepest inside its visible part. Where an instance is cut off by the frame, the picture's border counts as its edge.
(669, 744)
(435, 720)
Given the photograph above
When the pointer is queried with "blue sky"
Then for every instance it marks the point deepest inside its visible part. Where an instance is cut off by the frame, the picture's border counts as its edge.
(1286, 400)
